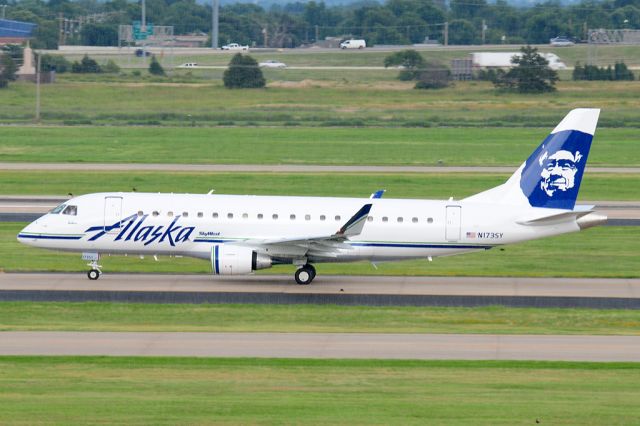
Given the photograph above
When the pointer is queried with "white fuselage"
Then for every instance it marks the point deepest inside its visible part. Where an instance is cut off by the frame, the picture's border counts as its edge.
(189, 225)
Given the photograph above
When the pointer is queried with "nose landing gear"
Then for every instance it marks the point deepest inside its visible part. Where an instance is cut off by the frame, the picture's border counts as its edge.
(305, 274)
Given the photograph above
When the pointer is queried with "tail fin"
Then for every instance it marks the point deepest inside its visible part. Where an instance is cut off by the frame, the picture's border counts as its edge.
(551, 176)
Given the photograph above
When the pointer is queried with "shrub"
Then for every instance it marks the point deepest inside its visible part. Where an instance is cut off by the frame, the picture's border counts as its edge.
(154, 67)
(55, 63)
(111, 67)
(243, 73)
(86, 66)
(592, 72)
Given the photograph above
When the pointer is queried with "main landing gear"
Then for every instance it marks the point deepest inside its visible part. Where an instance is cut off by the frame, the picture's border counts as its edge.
(305, 274)
(95, 272)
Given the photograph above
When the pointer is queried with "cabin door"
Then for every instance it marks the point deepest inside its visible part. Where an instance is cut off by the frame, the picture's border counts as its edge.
(112, 214)
(454, 219)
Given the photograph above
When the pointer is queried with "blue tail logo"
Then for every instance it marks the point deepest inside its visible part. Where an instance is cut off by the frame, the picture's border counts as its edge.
(552, 174)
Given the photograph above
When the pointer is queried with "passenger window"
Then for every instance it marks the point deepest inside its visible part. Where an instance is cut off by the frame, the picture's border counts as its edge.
(414, 220)
(230, 215)
(322, 217)
(155, 213)
(185, 214)
(260, 216)
(292, 217)
(337, 217)
(307, 217)
(370, 219)
(245, 215)
(169, 214)
(215, 215)
(140, 213)
(385, 219)
(275, 216)
(71, 210)
(58, 209)
(400, 220)
(200, 214)
(430, 220)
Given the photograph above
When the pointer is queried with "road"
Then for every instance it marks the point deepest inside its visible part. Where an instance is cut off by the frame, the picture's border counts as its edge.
(325, 345)
(328, 284)
(278, 168)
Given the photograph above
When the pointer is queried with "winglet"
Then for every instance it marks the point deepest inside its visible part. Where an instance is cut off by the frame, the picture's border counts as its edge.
(356, 223)
(378, 194)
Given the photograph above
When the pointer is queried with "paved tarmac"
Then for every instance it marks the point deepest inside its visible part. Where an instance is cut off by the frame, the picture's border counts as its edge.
(328, 284)
(279, 168)
(325, 345)
(26, 207)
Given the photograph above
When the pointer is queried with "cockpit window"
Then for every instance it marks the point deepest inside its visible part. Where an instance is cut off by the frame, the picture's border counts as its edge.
(71, 210)
(58, 209)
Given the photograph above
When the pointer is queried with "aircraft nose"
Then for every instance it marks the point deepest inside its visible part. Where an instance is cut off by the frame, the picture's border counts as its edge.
(29, 233)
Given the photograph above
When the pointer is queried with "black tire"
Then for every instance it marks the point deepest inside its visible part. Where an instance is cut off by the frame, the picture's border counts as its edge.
(305, 275)
(93, 274)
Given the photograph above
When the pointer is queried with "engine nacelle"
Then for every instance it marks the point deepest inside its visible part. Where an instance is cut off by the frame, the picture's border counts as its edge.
(237, 260)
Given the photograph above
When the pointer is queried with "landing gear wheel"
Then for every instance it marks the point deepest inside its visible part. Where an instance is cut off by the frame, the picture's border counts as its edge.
(93, 274)
(305, 275)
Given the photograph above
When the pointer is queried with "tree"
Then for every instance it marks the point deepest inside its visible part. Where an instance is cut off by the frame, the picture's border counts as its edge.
(99, 35)
(531, 73)
(410, 61)
(8, 67)
(243, 72)
(154, 67)
(7, 70)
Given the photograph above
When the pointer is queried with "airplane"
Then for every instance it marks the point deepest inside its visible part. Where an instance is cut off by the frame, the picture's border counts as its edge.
(239, 234)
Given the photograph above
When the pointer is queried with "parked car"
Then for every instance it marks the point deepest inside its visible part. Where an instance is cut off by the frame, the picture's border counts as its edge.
(353, 44)
(271, 63)
(234, 46)
(561, 42)
(188, 65)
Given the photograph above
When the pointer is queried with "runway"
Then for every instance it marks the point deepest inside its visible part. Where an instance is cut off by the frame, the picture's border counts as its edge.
(326, 289)
(278, 168)
(27, 208)
(325, 345)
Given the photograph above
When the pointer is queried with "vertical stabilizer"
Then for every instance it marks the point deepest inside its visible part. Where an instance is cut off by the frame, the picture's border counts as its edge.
(551, 176)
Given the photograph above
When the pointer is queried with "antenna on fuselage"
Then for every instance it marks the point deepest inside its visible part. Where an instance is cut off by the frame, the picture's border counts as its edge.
(211, 191)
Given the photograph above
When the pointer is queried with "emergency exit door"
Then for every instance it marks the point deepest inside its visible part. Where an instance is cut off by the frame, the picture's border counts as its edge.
(112, 214)
(454, 220)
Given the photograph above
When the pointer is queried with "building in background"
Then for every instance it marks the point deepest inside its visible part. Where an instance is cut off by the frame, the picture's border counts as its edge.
(15, 32)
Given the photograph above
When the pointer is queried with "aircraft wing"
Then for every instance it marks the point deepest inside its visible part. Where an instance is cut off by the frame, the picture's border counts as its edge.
(319, 245)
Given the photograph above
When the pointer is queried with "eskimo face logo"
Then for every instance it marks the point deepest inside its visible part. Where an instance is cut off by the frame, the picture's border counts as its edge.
(558, 171)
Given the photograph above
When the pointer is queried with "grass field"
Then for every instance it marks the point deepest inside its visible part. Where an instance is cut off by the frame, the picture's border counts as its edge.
(340, 103)
(300, 145)
(130, 317)
(67, 390)
(598, 252)
(599, 186)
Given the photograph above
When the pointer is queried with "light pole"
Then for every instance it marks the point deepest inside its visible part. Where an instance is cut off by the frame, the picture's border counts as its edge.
(4, 6)
(215, 11)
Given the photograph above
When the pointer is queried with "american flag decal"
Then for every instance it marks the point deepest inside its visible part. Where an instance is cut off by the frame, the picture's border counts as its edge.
(471, 234)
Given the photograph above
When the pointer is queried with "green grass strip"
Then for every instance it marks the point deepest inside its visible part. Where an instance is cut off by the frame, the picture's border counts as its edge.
(74, 390)
(300, 145)
(62, 316)
(411, 185)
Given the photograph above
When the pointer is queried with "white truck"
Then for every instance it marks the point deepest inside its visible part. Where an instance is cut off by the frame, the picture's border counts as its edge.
(234, 46)
(353, 44)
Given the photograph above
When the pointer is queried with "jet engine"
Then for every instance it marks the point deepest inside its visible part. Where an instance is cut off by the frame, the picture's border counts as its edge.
(237, 260)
